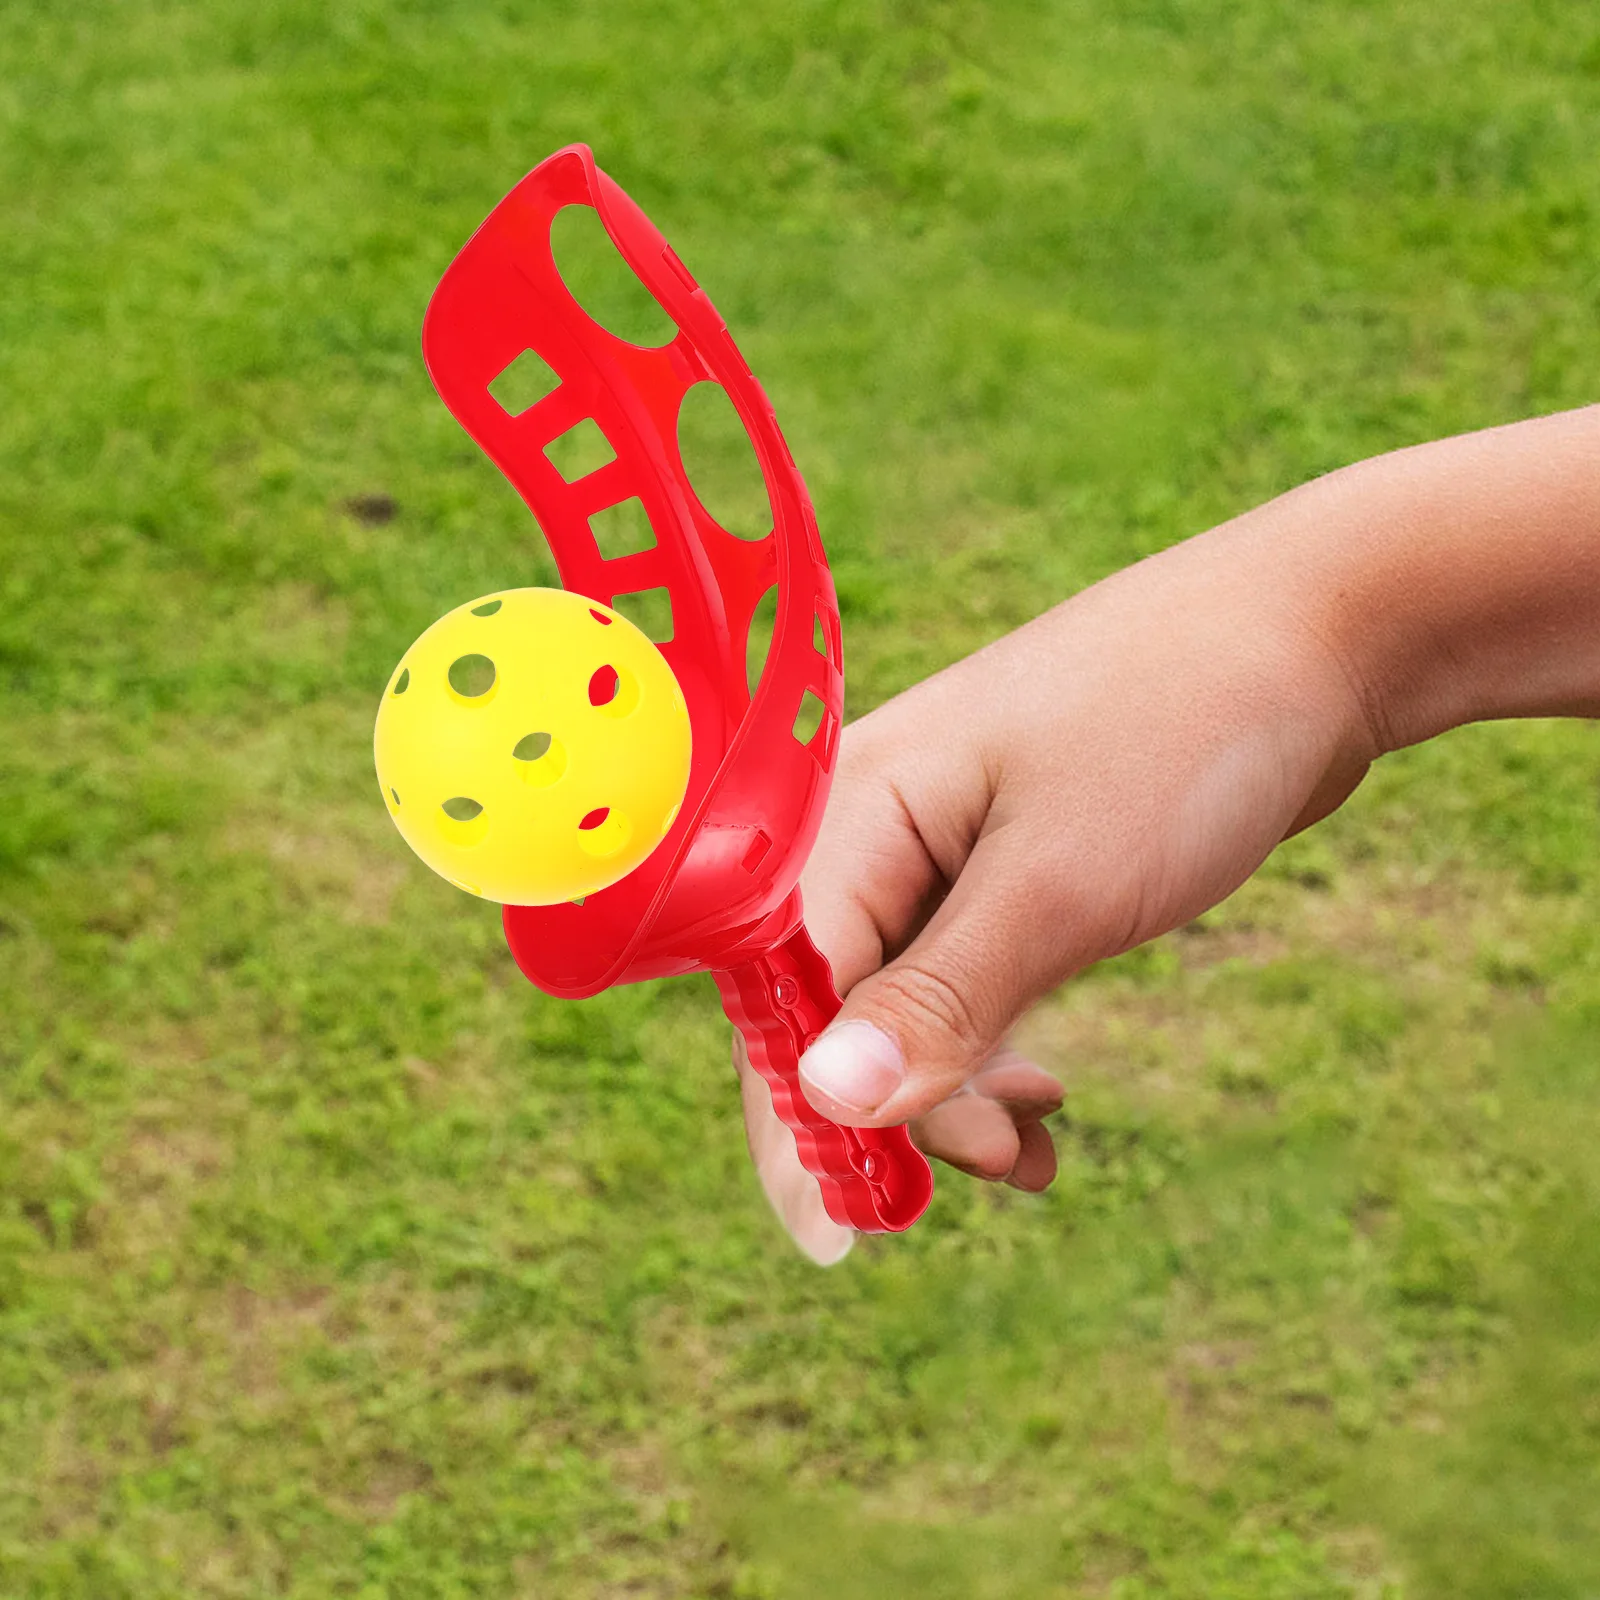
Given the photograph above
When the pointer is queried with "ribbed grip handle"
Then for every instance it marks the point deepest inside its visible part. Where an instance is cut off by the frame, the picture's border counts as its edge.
(872, 1179)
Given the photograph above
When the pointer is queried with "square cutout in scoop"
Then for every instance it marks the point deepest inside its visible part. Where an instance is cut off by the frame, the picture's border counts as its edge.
(582, 449)
(523, 383)
(622, 529)
(649, 610)
(809, 718)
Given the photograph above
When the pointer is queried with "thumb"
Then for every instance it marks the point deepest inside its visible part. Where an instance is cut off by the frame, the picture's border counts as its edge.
(914, 1032)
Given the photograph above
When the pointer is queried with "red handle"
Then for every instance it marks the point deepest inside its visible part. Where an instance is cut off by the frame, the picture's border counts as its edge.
(872, 1179)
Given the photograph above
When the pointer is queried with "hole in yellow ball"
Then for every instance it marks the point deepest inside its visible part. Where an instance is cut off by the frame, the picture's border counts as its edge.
(462, 820)
(488, 608)
(403, 682)
(471, 677)
(540, 759)
(395, 794)
(604, 832)
(613, 691)
(600, 617)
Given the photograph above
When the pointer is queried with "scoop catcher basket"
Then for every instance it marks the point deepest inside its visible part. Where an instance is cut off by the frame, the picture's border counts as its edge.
(719, 894)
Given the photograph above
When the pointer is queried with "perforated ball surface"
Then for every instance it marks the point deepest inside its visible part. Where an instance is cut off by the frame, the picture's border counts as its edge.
(533, 746)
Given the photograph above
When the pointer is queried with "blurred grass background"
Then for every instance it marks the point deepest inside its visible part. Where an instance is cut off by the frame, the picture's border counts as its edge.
(337, 1261)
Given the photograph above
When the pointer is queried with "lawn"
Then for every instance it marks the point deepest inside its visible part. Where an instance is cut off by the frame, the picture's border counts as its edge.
(335, 1260)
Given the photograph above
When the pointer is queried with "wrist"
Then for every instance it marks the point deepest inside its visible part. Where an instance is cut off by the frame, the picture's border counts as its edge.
(1366, 598)
(1451, 582)
(1288, 602)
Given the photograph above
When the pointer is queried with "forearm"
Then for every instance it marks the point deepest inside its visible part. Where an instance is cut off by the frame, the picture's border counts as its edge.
(1454, 581)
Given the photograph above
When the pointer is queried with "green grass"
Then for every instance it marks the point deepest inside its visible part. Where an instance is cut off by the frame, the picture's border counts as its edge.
(337, 1261)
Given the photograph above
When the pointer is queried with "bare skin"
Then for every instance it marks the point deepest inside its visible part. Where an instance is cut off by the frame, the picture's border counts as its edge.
(1125, 761)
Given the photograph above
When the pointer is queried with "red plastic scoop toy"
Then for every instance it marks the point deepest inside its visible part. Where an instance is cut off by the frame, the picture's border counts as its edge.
(719, 893)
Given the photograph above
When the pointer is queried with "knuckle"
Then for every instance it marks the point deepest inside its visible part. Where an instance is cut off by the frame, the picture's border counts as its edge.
(933, 1003)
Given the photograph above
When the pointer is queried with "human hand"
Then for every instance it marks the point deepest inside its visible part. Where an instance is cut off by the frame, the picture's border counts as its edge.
(1090, 781)
(1128, 759)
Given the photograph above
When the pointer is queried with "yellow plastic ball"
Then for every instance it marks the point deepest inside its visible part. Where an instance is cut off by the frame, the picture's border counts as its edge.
(533, 747)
